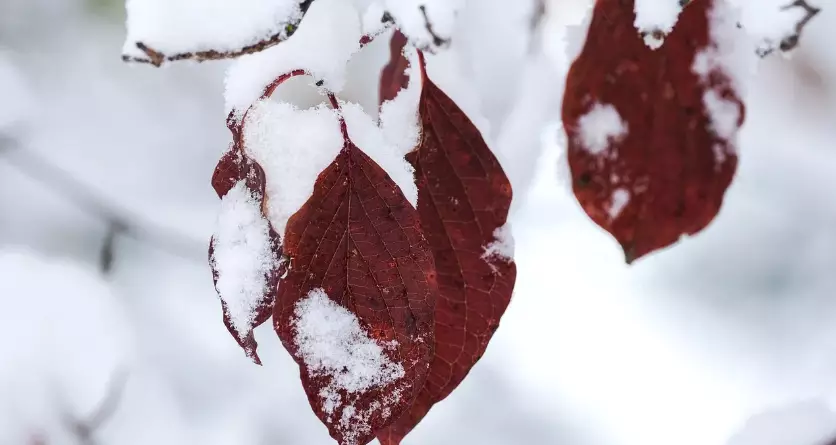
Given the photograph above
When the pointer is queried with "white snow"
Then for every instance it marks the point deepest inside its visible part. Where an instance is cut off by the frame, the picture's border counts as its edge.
(809, 422)
(242, 255)
(600, 127)
(410, 20)
(726, 55)
(332, 343)
(367, 136)
(620, 198)
(399, 116)
(767, 23)
(655, 19)
(503, 245)
(292, 146)
(724, 114)
(330, 35)
(178, 26)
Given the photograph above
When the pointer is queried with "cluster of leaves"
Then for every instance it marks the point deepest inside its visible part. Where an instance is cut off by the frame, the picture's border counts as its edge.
(651, 148)
(417, 276)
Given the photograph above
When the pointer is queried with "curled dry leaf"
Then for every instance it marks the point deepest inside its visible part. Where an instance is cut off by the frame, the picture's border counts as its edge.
(247, 301)
(359, 259)
(651, 133)
(463, 201)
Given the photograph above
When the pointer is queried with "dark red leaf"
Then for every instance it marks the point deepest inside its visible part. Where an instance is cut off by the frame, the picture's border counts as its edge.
(359, 240)
(393, 78)
(234, 167)
(666, 175)
(463, 200)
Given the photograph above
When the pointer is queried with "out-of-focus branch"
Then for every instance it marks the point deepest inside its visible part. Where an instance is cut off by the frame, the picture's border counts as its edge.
(157, 58)
(790, 42)
(84, 429)
(120, 220)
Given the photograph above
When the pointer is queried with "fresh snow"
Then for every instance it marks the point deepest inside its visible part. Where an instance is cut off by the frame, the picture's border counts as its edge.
(399, 116)
(503, 245)
(365, 133)
(332, 344)
(242, 255)
(599, 127)
(655, 19)
(292, 146)
(411, 21)
(330, 35)
(620, 198)
(178, 26)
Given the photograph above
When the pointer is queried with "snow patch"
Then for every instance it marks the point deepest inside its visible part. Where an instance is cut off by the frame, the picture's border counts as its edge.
(441, 15)
(323, 46)
(655, 19)
(600, 127)
(332, 344)
(389, 155)
(399, 116)
(179, 26)
(293, 146)
(619, 199)
(503, 245)
(243, 255)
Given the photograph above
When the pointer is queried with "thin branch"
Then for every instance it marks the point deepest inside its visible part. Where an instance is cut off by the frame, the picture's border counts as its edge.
(437, 40)
(791, 42)
(157, 58)
(88, 200)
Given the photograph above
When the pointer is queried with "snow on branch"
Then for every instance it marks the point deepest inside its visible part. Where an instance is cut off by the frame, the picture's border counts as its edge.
(162, 31)
(790, 41)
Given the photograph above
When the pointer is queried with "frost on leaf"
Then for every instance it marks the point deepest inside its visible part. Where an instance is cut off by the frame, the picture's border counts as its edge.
(169, 30)
(463, 200)
(357, 241)
(663, 173)
(245, 251)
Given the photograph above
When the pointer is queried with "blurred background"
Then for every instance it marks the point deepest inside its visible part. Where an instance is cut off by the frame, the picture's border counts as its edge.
(111, 332)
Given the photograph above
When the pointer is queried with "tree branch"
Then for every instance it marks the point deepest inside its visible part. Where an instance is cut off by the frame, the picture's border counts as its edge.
(791, 42)
(157, 58)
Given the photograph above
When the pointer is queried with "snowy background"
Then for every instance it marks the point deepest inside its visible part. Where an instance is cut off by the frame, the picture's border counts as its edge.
(728, 338)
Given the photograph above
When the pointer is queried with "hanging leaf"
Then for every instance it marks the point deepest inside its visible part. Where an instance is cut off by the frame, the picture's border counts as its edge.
(463, 202)
(651, 133)
(245, 252)
(356, 308)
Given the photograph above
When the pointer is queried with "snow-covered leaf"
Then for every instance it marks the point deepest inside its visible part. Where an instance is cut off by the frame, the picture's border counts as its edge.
(652, 133)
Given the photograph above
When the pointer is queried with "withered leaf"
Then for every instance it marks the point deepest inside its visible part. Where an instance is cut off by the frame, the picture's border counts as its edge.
(463, 200)
(650, 158)
(358, 240)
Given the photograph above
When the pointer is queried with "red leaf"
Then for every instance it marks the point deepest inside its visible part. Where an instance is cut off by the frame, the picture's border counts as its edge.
(463, 200)
(665, 174)
(358, 240)
(233, 168)
(393, 78)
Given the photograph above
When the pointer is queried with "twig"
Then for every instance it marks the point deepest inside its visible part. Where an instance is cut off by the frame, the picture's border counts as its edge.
(157, 58)
(791, 42)
(85, 198)
(437, 40)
